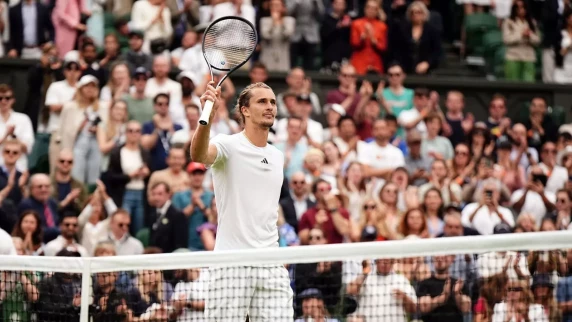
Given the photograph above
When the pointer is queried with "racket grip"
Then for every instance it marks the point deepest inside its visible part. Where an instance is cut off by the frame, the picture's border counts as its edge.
(206, 114)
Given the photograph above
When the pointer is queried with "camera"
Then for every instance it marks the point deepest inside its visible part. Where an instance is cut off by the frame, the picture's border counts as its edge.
(489, 193)
(96, 121)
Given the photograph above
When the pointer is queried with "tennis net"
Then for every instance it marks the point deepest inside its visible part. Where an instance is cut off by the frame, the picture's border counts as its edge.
(516, 277)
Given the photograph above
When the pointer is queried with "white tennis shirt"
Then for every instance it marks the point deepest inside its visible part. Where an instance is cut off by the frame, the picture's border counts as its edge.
(247, 181)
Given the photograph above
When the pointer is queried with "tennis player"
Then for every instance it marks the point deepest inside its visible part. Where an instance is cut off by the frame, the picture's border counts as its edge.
(247, 178)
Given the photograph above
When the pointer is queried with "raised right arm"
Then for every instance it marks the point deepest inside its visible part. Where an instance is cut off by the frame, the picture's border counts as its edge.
(201, 150)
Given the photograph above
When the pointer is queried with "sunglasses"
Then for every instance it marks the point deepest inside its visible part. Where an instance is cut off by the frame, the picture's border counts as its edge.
(133, 130)
(298, 182)
(62, 161)
(515, 289)
(324, 189)
(6, 98)
(369, 207)
(123, 225)
(12, 152)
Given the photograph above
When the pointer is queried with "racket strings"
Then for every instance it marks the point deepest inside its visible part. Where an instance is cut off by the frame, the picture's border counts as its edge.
(229, 43)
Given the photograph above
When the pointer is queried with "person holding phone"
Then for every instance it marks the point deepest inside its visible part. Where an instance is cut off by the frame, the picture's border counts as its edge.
(485, 214)
(533, 198)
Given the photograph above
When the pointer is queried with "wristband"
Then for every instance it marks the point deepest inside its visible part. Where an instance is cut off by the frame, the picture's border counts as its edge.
(333, 210)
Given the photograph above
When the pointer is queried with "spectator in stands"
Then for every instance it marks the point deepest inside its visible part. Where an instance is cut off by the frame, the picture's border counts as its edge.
(380, 158)
(419, 34)
(188, 40)
(521, 36)
(158, 131)
(397, 98)
(334, 112)
(563, 72)
(128, 168)
(564, 295)
(413, 225)
(462, 165)
(12, 181)
(518, 304)
(67, 239)
(335, 36)
(433, 208)
(417, 164)
(112, 133)
(450, 191)
(193, 200)
(312, 131)
(346, 94)
(383, 293)
(58, 94)
(497, 122)
(161, 83)
(170, 229)
(154, 18)
(88, 61)
(528, 155)
(325, 276)
(534, 199)
(111, 52)
(174, 175)
(153, 288)
(557, 175)
(294, 147)
(30, 229)
(460, 124)
(507, 170)
(69, 192)
(434, 145)
(135, 57)
(540, 126)
(481, 142)
(369, 40)
(119, 83)
(298, 201)
(113, 304)
(327, 214)
(443, 297)
(60, 294)
(414, 118)
(190, 294)
(313, 307)
(208, 230)
(119, 235)
(30, 27)
(95, 217)
(355, 186)
(82, 117)
(543, 290)
(15, 125)
(562, 215)
(4, 32)
(41, 202)
(306, 38)
(189, 81)
(191, 58)
(486, 213)
(298, 84)
(139, 106)
(275, 32)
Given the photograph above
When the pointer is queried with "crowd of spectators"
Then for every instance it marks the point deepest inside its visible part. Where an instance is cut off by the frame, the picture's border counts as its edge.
(98, 165)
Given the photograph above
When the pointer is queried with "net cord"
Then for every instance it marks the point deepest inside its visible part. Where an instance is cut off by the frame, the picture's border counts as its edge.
(291, 255)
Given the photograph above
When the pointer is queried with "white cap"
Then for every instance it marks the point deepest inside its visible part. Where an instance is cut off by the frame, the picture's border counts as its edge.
(565, 128)
(190, 75)
(562, 154)
(180, 136)
(71, 56)
(86, 79)
(336, 108)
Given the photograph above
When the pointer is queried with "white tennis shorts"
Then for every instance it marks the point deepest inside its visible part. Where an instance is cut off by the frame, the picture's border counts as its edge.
(264, 293)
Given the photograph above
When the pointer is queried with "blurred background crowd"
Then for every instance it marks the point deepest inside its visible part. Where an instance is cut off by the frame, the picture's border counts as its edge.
(97, 163)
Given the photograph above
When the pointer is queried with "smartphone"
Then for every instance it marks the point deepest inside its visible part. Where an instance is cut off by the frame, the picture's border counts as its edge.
(489, 193)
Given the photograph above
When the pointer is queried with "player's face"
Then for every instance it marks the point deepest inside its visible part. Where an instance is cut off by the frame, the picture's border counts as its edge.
(262, 110)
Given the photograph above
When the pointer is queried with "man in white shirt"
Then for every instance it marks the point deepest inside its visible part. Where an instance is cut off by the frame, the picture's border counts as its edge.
(60, 93)
(486, 214)
(192, 59)
(247, 213)
(235, 8)
(383, 294)
(380, 157)
(118, 234)
(557, 175)
(6, 244)
(303, 109)
(413, 118)
(190, 294)
(533, 198)
(519, 137)
(69, 230)
(15, 125)
(161, 83)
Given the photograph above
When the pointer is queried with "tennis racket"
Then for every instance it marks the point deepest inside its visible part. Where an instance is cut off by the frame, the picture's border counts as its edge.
(228, 43)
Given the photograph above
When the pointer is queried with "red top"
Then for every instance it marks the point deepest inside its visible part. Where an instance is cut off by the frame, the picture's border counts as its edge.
(308, 221)
(367, 56)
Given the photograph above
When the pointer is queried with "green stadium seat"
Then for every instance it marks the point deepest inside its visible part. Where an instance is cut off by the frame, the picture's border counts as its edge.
(498, 62)
(143, 236)
(492, 40)
(476, 26)
(108, 21)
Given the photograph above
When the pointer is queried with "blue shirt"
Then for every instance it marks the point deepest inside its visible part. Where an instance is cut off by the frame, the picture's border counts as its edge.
(296, 158)
(181, 200)
(63, 190)
(160, 151)
(30, 20)
(564, 294)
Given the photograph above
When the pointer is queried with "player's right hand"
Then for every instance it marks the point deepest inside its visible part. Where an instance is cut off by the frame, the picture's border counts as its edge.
(211, 94)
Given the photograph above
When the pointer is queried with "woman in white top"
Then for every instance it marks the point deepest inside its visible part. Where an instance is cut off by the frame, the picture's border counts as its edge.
(111, 134)
(153, 17)
(355, 187)
(118, 84)
(563, 74)
(518, 305)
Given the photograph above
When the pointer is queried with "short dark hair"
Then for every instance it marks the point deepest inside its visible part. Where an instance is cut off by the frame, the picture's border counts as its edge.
(390, 118)
(421, 91)
(316, 183)
(345, 118)
(161, 95)
(69, 214)
(161, 183)
(87, 42)
(259, 65)
(432, 116)
(192, 106)
(294, 118)
(5, 88)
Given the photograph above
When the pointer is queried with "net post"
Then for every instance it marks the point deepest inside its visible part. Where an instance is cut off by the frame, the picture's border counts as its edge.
(85, 290)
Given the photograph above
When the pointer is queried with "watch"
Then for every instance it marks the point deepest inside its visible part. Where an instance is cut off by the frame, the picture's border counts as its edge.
(333, 210)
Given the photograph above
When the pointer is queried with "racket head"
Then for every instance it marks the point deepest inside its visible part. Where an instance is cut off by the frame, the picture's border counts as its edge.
(228, 43)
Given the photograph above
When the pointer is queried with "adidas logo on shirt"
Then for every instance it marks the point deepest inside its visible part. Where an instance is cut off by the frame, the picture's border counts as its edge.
(264, 161)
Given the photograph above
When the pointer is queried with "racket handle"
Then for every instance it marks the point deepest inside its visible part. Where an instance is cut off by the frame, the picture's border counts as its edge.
(206, 114)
